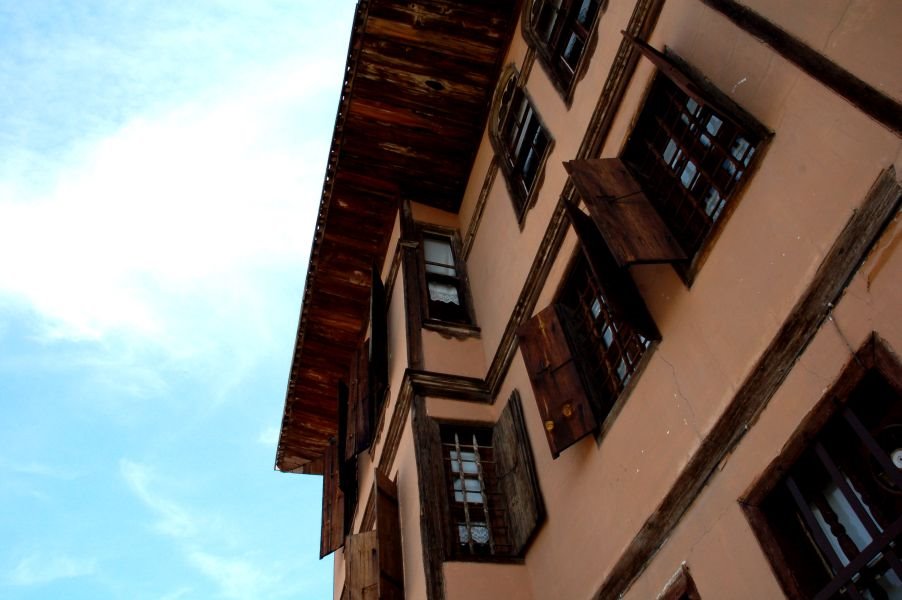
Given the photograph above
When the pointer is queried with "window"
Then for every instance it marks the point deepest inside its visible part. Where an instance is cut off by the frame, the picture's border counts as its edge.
(560, 30)
(583, 350)
(691, 150)
(612, 348)
(521, 142)
(478, 485)
(447, 293)
(477, 516)
(834, 518)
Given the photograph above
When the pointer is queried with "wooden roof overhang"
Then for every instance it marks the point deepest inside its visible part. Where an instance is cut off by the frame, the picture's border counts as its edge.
(417, 90)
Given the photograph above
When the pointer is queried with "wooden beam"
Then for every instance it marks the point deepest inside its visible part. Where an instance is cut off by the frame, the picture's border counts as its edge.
(863, 96)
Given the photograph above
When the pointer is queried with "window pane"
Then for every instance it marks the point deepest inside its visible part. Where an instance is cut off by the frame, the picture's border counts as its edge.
(439, 256)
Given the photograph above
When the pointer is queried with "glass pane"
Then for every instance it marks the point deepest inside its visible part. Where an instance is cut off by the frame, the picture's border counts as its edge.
(439, 256)
(586, 12)
(572, 51)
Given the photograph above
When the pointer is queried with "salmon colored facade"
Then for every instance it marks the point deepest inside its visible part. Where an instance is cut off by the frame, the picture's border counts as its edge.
(680, 468)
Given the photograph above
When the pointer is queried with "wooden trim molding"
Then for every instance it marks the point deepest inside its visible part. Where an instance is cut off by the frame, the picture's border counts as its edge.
(427, 383)
(680, 587)
(393, 272)
(476, 218)
(851, 247)
(861, 95)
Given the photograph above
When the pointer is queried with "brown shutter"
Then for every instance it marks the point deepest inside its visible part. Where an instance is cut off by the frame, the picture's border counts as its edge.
(347, 468)
(517, 475)
(388, 530)
(362, 566)
(358, 428)
(378, 347)
(704, 95)
(435, 516)
(629, 224)
(332, 534)
(559, 386)
(616, 283)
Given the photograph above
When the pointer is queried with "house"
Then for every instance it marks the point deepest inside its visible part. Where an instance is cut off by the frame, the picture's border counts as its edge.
(604, 301)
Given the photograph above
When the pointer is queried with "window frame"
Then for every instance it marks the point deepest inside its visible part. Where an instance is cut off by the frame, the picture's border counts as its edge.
(466, 325)
(520, 503)
(523, 194)
(673, 71)
(551, 49)
(873, 359)
(579, 267)
(489, 488)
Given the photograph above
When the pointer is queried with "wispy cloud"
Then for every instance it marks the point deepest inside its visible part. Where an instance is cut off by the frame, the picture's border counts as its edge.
(172, 519)
(38, 470)
(269, 436)
(36, 569)
(236, 578)
(236, 575)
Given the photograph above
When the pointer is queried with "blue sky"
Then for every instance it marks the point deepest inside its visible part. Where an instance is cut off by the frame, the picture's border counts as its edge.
(160, 169)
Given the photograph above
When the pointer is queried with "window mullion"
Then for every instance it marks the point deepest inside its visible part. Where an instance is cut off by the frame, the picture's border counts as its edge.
(485, 498)
(463, 491)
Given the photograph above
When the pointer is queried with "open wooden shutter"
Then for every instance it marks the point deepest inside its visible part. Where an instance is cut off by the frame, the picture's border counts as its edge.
(517, 475)
(362, 566)
(347, 468)
(388, 530)
(378, 347)
(435, 516)
(720, 103)
(629, 224)
(358, 429)
(616, 284)
(557, 382)
(332, 534)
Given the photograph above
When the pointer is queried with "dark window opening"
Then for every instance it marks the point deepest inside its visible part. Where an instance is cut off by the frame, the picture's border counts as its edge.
(690, 159)
(522, 143)
(837, 514)
(561, 29)
(609, 347)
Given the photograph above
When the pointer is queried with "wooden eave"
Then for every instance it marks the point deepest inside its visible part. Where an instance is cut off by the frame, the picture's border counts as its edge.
(418, 85)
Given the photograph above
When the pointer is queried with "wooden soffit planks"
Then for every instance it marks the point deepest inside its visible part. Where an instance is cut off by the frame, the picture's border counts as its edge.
(417, 90)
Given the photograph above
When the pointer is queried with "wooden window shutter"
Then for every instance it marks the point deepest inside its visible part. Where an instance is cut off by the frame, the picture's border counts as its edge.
(358, 429)
(332, 534)
(362, 566)
(631, 227)
(347, 468)
(559, 385)
(435, 515)
(616, 284)
(378, 347)
(388, 530)
(517, 475)
(705, 96)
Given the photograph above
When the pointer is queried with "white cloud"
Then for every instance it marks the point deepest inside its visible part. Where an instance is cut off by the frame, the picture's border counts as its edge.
(172, 519)
(38, 569)
(162, 230)
(269, 436)
(236, 578)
